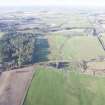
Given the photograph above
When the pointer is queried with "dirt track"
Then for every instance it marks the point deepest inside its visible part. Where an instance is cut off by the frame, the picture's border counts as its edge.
(13, 85)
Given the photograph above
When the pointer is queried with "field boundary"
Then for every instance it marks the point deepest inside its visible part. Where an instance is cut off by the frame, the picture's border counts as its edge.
(27, 88)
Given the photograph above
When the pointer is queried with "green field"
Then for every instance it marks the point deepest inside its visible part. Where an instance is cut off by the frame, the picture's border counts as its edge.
(78, 47)
(97, 65)
(51, 87)
(1, 34)
(66, 20)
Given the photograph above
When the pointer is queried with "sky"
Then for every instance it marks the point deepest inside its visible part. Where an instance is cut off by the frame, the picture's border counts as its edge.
(52, 2)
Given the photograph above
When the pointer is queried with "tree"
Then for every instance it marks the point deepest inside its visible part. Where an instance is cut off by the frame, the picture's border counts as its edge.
(18, 48)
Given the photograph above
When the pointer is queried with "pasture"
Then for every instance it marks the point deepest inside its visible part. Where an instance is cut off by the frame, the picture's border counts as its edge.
(1, 34)
(52, 87)
(76, 48)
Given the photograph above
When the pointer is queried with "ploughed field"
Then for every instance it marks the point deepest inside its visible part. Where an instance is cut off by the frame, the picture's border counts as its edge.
(14, 85)
(53, 87)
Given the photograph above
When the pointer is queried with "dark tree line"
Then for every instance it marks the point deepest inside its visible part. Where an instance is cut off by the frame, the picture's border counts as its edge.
(16, 49)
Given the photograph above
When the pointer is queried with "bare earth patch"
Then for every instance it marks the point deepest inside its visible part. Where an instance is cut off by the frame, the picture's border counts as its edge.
(13, 85)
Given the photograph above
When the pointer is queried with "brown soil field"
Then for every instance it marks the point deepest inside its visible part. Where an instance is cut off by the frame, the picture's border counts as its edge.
(13, 85)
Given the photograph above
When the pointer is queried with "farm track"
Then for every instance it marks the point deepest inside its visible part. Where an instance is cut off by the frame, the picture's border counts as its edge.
(14, 85)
